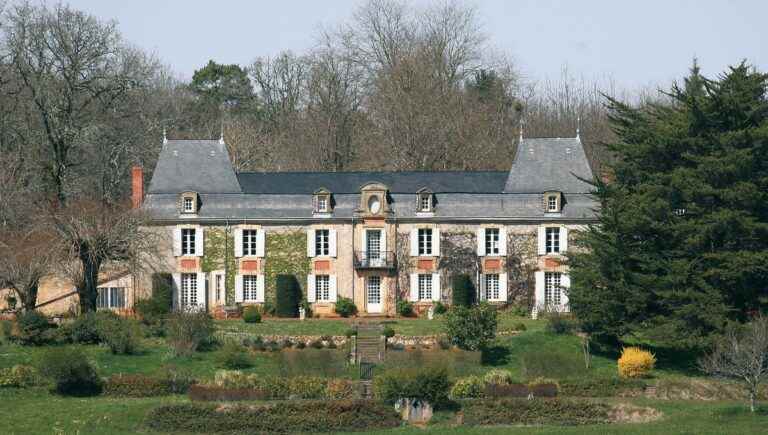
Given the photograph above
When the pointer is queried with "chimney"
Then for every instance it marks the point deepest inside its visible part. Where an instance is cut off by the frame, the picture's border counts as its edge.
(137, 186)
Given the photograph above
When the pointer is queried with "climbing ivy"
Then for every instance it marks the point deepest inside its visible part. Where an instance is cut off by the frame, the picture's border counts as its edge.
(219, 244)
(458, 255)
(286, 253)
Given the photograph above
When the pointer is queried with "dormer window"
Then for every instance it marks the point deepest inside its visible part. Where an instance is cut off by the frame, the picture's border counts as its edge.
(553, 202)
(373, 200)
(188, 203)
(322, 201)
(424, 201)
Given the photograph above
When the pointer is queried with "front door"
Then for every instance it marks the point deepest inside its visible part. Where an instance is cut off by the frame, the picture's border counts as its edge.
(373, 294)
(373, 247)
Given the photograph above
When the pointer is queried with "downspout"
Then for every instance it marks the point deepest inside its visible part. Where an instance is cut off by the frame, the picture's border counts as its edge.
(226, 260)
(397, 272)
(354, 271)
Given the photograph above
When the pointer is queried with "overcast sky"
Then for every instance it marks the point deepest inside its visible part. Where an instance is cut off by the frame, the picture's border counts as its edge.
(637, 43)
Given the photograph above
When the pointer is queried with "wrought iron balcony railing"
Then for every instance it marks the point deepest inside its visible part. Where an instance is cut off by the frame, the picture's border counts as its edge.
(374, 260)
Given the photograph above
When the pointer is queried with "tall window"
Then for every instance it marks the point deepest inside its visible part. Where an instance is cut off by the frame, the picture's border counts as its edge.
(425, 287)
(110, 297)
(322, 242)
(188, 290)
(492, 286)
(552, 203)
(425, 202)
(553, 240)
(219, 285)
(425, 241)
(249, 242)
(552, 288)
(189, 205)
(322, 288)
(250, 284)
(187, 241)
(491, 241)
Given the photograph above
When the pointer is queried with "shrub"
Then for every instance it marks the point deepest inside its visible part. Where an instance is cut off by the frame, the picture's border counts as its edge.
(463, 291)
(251, 314)
(543, 387)
(337, 389)
(212, 393)
(120, 335)
(635, 362)
(186, 332)
(470, 387)
(471, 328)
(558, 323)
(507, 390)
(307, 387)
(405, 308)
(6, 327)
(136, 385)
(85, 329)
(34, 328)
(519, 327)
(152, 311)
(20, 376)
(290, 417)
(233, 356)
(534, 412)
(288, 296)
(272, 387)
(519, 310)
(430, 385)
(268, 308)
(440, 308)
(70, 371)
(344, 307)
(179, 380)
(498, 377)
(316, 344)
(601, 387)
(388, 332)
(350, 332)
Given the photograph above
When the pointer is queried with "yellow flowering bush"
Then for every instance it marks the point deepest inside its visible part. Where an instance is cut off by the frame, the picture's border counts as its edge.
(635, 362)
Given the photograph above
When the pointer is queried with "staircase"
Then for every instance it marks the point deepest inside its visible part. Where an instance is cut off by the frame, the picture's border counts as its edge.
(370, 350)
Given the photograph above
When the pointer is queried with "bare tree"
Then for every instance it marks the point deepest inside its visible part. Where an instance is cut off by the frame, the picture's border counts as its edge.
(25, 258)
(742, 355)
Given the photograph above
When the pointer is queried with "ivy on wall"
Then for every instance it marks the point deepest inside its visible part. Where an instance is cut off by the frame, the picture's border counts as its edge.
(521, 265)
(458, 255)
(285, 253)
(405, 264)
(219, 248)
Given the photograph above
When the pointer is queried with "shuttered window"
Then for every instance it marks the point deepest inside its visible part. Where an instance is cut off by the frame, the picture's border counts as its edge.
(187, 241)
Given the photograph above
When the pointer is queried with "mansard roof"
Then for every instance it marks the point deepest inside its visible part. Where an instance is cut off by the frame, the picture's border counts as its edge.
(200, 166)
(549, 164)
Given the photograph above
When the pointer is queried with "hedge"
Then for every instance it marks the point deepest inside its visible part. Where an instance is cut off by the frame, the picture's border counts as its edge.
(288, 296)
(289, 417)
(609, 387)
(534, 412)
(137, 385)
(212, 393)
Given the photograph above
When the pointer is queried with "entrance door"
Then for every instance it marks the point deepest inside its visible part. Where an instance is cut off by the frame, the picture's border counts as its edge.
(373, 293)
(373, 247)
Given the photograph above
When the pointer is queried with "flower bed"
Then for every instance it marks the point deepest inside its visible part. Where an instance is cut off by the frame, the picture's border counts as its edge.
(534, 412)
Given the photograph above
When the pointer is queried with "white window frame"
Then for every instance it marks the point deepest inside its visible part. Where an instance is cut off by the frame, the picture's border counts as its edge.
(188, 291)
(425, 202)
(552, 204)
(552, 240)
(492, 247)
(322, 288)
(188, 241)
(322, 242)
(492, 284)
(108, 298)
(250, 288)
(188, 204)
(425, 237)
(553, 289)
(250, 242)
(219, 286)
(426, 287)
(322, 203)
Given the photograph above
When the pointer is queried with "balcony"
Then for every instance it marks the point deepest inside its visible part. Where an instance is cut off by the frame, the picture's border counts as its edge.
(375, 260)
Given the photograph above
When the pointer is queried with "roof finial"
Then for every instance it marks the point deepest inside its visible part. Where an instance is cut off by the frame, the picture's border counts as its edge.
(521, 129)
(221, 138)
(578, 125)
(165, 138)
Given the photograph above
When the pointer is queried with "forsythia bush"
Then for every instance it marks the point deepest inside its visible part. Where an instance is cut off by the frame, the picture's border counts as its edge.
(635, 362)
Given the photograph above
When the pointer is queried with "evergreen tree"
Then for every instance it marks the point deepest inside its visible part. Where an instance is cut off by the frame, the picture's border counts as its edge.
(682, 244)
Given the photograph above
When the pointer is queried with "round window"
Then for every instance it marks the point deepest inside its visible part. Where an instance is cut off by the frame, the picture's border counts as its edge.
(374, 204)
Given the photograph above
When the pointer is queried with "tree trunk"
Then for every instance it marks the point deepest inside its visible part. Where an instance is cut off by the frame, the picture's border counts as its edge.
(87, 290)
(29, 297)
(752, 396)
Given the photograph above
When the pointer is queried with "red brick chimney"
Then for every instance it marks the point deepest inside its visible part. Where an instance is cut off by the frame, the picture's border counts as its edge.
(137, 186)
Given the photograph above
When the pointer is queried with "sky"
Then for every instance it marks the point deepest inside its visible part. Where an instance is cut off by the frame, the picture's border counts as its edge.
(636, 44)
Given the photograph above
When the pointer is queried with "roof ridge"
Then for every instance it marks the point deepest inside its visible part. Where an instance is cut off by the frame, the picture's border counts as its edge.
(481, 171)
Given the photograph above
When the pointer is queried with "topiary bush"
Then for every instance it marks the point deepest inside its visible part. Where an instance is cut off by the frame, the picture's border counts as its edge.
(388, 332)
(463, 291)
(234, 356)
(427, 384)
(635, 362)
(471, 328)
(70, 371)
(187, 332)
(251, 314)
(288, 296)
(471, 387)
(345, 307)
(405, 308)
(34, 329)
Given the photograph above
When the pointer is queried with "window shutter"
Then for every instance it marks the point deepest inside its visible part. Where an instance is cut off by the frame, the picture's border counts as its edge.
(332, 242)
(332, 292)
(482, 286)
(436, 242)
(563, 239)
(436, 291)
(414, 242)
(542, 240)
(201, 287)
(481, 242)
(260, 288)
(364, 248)
(176, 289)
(565, 284)
(310, 243)
(177, 242)
(199, 241)
(238, 288)
(414, 287)
(383, 243)
(502, 241)
(503, 288)
(260, 240)
(238, 242)
(310, 288)
(539, 294)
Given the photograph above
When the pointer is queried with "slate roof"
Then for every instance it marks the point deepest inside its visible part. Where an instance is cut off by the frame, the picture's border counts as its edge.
(201, 166)
(549, 164)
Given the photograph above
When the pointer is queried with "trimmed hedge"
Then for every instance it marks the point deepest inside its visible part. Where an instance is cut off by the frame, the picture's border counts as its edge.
(288, 296)
(289, 417)
(599, 387)
(279, 387)
(463, 291)
(137, 385)
(212, 393)
(534, 412)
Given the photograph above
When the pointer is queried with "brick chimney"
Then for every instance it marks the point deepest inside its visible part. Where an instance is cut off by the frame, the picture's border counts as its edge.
(137, 186)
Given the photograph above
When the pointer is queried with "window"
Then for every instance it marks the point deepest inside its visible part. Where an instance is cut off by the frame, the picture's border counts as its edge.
(321, 203)
(322, 242)
(425, 287)
(322, 288)
(110, 297)
(425, 241)
(189, 205)
(188, 290)
(249, 242)
(552, 204)
(250, 286)
(492, 241)
(219, 286)
(187, 241)
(552, 288)
(492, 287)
(552, 240)
(425, 202)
